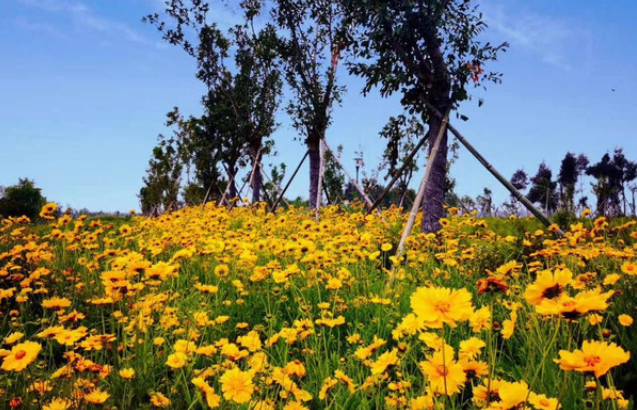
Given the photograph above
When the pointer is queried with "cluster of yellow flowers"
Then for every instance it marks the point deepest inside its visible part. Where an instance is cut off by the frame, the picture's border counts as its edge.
(209, 307)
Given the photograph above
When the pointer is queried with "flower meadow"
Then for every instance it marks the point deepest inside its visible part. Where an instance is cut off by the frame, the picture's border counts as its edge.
(211, 307)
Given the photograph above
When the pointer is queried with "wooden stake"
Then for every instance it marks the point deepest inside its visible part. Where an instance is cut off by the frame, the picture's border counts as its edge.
(406, 163)
(418, 200)
(276, 186)
(517, 194)
(352, 180)
(278, 201)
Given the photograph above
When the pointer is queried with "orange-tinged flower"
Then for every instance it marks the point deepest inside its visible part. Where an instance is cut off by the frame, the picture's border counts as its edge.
(237, 386)
(630, 268)
(625, 320)
(437, 306)
(159, 400)
(21, 356)
(595, 357)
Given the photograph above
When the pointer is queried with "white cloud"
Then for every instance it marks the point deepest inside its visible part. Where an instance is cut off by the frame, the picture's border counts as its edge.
(555, 41)
(83, 16)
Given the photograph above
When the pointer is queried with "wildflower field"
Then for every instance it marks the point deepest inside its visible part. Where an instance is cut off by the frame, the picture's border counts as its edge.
(241, 308)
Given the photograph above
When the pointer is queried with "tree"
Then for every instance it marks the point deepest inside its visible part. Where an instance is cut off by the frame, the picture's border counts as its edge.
(429, 52)
(402, 134)
(160, 192)
(628, 171)
(333, 177)
(243, 93)
(310, 50)
(567, 178)
(543, 188)
(485, 202)
(520, 181)
(611, 177)
(22, 199)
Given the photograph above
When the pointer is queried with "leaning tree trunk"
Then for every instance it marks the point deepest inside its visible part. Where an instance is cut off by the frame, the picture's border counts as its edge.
(313, 146)
(232, 189)
(257, 177)
(432, 206)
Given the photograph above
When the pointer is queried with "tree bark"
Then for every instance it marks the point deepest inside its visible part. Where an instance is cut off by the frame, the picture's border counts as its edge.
(257, 177)
(313, 147)
(432, 206)
(232, 189)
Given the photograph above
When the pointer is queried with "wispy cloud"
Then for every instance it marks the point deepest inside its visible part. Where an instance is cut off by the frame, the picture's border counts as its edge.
(83, 16)
(554, 40)
(39, 27)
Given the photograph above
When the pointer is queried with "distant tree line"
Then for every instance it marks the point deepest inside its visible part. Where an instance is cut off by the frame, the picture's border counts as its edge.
(611, 182)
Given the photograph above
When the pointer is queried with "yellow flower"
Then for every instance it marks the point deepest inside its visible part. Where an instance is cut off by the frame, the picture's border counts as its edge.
(444, 375)
(237, 386)
(630, 268)
(611, 279)
(177, 360)
(13, 337)
(436, 306)
(385, 361)
(56, 303)
(625, 320)
(97, 396)
(20, 356)
(330, 322)
(127, 374)
(328, 384)
(58, 404)
(548, 285)
(595, 357)
(575, 307)
(471, 348)
(295, 405)
(541, 402)
(251, 341)
(481, 319)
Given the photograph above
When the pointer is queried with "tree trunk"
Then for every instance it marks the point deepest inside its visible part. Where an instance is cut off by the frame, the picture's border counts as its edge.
(313, 146)
(257, 177)
(432, 205)
(232, 189)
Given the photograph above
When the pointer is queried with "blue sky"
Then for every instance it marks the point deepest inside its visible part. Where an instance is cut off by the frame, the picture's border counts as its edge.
(85, 86)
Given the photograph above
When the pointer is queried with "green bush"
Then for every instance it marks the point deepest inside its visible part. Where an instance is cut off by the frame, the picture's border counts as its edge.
(22, 199)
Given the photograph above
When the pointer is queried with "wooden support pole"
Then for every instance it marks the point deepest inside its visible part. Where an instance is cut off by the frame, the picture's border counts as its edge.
(406, 163)
(517, 194)
(278, 201)
(352, 180)
(276, 186)
(419, 196)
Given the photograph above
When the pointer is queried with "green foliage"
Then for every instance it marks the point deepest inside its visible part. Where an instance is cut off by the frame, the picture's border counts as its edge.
(243, 81)
(160, 192)
(22, 199)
